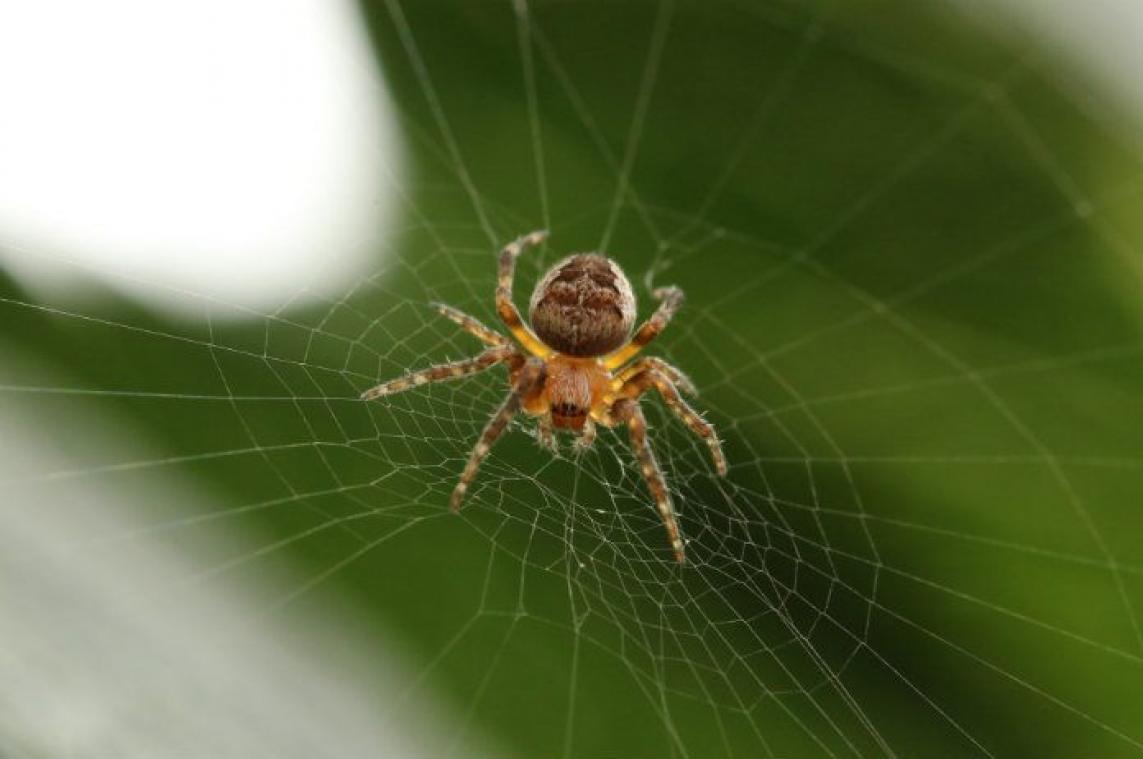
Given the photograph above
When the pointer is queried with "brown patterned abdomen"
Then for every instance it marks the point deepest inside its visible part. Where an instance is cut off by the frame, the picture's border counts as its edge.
(583, 306)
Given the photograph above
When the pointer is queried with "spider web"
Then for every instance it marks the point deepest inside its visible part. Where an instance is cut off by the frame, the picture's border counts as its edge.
(926, 544)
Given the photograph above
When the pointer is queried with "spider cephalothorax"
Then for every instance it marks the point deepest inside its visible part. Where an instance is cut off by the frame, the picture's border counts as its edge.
(575, 370)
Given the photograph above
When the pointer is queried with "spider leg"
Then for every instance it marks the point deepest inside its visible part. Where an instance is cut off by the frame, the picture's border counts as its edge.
(586, 438)
(531, 378)
(504, 304)
(470, 324)
(546, 434)
(649, 378)
(628, 410)
(674, 374)
(670, 298)
(453, 370)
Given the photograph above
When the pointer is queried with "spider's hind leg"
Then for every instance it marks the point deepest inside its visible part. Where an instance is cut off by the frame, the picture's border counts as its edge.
(505, 307)
(670, 299)
(470, 324)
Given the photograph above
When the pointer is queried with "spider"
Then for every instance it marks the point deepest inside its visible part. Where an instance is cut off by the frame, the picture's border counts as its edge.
(573, 367)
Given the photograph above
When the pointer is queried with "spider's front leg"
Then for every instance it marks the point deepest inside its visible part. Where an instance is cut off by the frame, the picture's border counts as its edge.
(586, 437)
(627, 411)
(529, 381)
(546, 434)
(654, 377)
(673, 373)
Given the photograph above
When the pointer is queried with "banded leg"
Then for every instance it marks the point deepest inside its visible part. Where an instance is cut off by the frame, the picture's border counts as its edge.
(628, 410)
(586, 438)
(674, 374)
(546, 434)
(454, 370)
(470, 324)
(640, 383)
(504, 304)
(530, 378)
(670, 298)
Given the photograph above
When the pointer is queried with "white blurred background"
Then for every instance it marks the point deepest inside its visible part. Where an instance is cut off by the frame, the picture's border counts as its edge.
(236, 150)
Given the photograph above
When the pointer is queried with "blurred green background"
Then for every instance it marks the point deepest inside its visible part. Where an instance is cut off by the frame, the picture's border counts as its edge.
(912, 313)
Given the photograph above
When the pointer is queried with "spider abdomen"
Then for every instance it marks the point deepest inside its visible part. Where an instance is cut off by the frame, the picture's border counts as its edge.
(583, 306)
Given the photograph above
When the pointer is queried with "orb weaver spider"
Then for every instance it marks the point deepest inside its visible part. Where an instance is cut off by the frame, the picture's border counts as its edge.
(572, 368)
